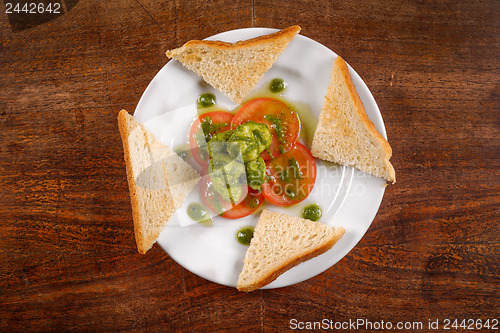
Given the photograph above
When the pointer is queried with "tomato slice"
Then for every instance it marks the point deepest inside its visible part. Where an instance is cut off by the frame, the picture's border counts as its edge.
(204, 127)
(282, 121)
(214, 201)
(291, 176)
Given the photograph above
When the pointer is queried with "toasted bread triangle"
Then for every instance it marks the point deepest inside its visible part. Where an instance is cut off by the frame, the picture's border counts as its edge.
(234, 68)
(345, 135)
(158, 179)
(281, 242)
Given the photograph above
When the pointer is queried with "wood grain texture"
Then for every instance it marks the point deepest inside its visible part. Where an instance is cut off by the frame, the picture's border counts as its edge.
(68, 260)
(432, 251)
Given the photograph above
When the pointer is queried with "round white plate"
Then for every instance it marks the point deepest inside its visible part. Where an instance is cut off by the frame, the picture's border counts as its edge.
(349, 198)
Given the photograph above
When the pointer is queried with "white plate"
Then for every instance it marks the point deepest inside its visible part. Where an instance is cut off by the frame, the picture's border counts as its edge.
(349, 198)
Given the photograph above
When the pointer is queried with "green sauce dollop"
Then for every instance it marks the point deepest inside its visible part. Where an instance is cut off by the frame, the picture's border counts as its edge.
(256, 173)
(312, 212)
(244, 235)
(205, 100)
(277, 85)
(197, 211)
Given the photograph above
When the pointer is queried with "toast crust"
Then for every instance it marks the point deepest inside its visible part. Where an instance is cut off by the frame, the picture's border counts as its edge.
(234, 68)
(327, 124)
(339, 232)
(360, 108)
(290, 32)
(270, 230)
(144, 239)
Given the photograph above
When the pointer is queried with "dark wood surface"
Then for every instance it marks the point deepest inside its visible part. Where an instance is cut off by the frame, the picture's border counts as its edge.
(68, 260)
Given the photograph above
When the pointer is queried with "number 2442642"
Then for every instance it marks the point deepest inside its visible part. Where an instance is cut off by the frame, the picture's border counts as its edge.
(33, 8)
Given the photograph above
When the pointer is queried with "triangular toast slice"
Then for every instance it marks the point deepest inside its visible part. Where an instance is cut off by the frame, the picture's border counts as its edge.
(234, 68)
(159, 180)
(281, 242)
(345, 135)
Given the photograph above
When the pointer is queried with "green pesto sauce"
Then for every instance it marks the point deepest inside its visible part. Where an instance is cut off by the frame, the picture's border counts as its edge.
(277, 85)
(235, 153)
(290, 192)
(197, 212)
(205, 100)
(256, 173)
(209, 128)
(277, 125)
(182, 154)
(244, 235)
(295, 168)
(252, 138)
(291, 172)
(207, 223)
(183, 150)
(308, 120)
(312, 212)
(253, 202)
(271, 153)
(226, 174)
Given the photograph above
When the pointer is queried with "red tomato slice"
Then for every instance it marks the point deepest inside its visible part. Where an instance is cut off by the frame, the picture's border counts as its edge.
(221, 207)
(291, 176)
(197, 141)
(282, 121)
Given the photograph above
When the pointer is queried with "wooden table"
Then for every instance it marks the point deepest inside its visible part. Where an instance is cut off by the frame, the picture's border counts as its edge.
(68, 260)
